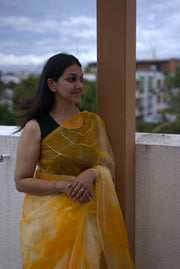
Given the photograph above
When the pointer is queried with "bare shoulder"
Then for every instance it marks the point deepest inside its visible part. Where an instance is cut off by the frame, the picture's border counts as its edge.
(28, 150)
(31, 131)
(29, 144)
(32, 126)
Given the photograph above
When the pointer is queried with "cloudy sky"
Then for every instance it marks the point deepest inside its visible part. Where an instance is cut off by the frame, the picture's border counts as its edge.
(32, 31)
(158, 27)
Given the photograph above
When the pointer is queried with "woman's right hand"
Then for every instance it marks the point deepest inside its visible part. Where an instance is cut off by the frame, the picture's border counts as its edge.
(62, 186)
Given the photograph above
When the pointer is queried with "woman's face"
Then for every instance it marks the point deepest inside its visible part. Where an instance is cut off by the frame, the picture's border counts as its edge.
(69, 86)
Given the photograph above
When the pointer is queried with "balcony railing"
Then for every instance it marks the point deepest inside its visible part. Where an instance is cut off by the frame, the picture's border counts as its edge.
(157, 202)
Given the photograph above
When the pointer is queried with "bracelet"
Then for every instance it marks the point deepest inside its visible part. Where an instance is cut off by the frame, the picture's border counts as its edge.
(95, 171)
(54, 186)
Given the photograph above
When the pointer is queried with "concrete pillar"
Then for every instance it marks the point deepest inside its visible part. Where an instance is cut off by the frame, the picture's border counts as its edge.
(116, 66)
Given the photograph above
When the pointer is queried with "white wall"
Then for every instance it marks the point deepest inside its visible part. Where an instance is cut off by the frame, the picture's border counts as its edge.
(157, 203)
(11, 203)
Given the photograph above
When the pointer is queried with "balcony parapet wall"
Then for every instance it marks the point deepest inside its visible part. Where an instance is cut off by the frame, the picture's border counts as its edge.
(157, 201)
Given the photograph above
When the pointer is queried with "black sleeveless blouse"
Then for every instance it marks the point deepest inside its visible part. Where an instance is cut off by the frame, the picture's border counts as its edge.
(47, 124)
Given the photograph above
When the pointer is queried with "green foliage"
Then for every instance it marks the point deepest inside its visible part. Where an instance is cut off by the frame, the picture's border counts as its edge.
(144, 127)
(26, 88)
(152, 91)
(174, 81)
(89, 96)
(172, 96)
(174, 105)
(173, 100)
(2, 86)
(6, 117)
(10, 85)
(87, 69)
(168, 127)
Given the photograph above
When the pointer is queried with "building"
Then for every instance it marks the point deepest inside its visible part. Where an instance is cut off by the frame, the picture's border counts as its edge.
(150, 96)
(7, 78)
(6, 96)
(92, 67)
(168, 66)
(150, 87)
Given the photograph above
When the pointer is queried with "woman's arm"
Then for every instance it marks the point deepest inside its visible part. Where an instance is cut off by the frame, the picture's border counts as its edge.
(28, 152)
(80, 187)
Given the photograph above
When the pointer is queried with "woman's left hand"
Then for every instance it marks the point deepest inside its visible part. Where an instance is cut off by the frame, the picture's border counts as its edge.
(80, 187)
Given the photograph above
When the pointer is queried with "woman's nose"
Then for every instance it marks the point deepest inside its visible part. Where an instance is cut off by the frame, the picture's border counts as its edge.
(79, 84)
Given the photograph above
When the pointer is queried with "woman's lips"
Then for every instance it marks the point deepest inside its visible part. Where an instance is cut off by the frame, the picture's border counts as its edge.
(76, 93)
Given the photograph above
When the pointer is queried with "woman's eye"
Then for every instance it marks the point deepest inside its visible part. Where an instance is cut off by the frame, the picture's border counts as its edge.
(72, 79)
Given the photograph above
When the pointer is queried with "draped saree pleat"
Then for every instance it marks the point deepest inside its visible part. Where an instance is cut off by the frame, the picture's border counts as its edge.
(61, 233)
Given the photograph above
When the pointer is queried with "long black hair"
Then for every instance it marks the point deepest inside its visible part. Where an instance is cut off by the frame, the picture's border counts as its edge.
(44, 100)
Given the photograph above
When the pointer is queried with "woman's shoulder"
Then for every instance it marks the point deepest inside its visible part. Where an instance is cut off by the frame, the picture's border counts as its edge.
(90, 114)
(31, 125)
(32, 130)
(96, 117)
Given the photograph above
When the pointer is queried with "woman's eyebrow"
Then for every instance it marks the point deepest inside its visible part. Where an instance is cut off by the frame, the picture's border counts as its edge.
(74, 74)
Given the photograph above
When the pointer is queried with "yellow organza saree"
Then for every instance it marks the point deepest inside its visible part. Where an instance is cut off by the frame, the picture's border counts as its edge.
(61, 233)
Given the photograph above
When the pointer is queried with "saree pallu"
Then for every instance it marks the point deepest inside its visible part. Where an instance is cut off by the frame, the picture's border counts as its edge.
(57, 232)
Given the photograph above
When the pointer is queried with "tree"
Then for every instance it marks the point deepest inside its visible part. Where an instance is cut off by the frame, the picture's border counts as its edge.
(173, 94)
(6, 117)
(145, 127)
(89, 96)
(169, 127)
(173, 99)
(26, 88)
(2, 86)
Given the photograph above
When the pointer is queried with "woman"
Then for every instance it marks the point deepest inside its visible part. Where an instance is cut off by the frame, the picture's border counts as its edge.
(71, 216)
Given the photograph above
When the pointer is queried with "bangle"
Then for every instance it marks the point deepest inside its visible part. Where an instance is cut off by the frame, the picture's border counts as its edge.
(54, 186)
(95, 171)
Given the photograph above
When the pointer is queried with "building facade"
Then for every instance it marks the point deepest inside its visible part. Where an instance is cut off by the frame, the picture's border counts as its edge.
(151, 87)
(150, 95)
(167, 66)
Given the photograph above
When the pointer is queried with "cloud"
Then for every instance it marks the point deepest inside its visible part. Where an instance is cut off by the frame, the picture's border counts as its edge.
(36, 37)
(22, 23)
(83, 26)
(22, 60)
(158, 27)
(76, 32)
(31, 61)
(30, 39)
